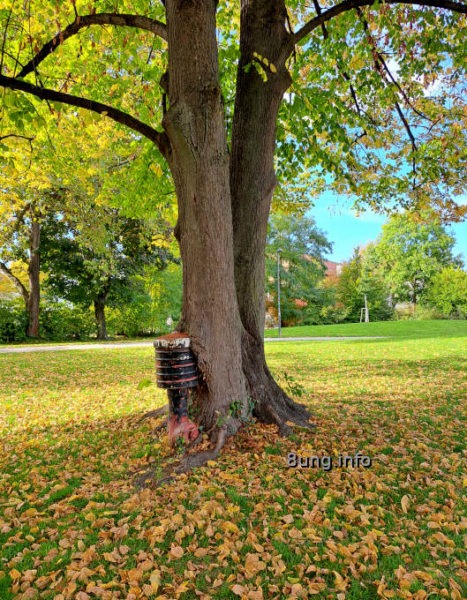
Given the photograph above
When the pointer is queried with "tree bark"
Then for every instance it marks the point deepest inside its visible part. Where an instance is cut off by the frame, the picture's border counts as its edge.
(199, 163)
(263, 31)
(99, 313)
(33, 302)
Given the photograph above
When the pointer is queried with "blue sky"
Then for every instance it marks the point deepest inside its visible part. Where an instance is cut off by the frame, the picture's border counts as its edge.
(346, 231)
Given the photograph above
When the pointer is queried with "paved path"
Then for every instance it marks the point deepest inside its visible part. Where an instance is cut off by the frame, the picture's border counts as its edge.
(117, 346)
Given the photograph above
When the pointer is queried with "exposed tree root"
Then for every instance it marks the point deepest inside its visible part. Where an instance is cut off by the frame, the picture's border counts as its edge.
(160, 427)
(272, 404)
(198, 459)
(154, 478)
(158, 412)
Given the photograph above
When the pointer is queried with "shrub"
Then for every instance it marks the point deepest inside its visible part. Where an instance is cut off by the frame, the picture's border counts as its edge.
(427, 313)
(448, 292)
(13, 321)
(64, 321)
(131, 320)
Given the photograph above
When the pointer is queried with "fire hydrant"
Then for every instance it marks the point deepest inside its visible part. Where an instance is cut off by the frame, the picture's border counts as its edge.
(177, 372)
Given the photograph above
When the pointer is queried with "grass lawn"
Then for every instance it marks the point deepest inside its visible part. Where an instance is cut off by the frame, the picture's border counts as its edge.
(406, 329)
(247, 526)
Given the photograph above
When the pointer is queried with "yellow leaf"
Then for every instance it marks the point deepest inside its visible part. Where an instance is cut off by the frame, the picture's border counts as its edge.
(253, 564)
(273, 68)
(15, 574)
(156, 168)
(340, 584)
(228, 526)
(176, 551)
(238, 590)
(182, 588)
(405, 502)
(315, 588)
(155, 580)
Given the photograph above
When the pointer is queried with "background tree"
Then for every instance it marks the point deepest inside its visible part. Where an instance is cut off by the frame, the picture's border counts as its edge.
(410, 251)
(93, 259)
(165, 289)
(358, 278)
(53, 167)
(302, 247)
(448, 292)
(20, 243)
(348, 121)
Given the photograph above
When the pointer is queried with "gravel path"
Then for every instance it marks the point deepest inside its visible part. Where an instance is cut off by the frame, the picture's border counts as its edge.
(117, 346)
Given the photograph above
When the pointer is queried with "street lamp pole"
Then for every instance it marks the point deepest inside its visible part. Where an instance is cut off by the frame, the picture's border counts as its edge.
(279, 318)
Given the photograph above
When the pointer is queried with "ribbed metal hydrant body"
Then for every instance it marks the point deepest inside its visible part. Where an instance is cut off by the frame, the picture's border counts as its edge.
(177, 372)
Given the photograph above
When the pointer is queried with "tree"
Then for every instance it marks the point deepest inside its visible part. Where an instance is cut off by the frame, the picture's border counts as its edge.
(20, 241)
(93, 259)
(448, 292)
(301, 246)
(348, 120)
(165, 289)
(360, 278)
(54, 168)
(410, 251)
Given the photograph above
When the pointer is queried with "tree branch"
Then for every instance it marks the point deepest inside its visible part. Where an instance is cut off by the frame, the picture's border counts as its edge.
(380, 58)
(15, 135)
(160, 139)
(348, 5)
(386, 75)
(343, 72)
(15, 281)
(121, 20)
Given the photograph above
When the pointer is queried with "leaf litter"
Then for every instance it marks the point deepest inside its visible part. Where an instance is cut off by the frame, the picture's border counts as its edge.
(72, 525)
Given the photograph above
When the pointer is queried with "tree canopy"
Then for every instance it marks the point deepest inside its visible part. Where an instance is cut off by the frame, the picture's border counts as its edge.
(376, 96)
(409, 252)
(301, 247)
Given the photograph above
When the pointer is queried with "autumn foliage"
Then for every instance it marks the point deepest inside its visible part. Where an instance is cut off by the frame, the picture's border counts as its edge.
(73, 525)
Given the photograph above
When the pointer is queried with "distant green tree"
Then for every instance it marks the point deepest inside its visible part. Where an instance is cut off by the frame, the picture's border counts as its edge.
(359, 277)
(448, 292)
(156, 303)
(410, 251)
(165, 289)
(94, 260)
(20, 236)
(301, 247)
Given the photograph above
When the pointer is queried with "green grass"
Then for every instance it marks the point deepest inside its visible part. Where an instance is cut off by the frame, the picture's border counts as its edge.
(396, 329)
(73, 438)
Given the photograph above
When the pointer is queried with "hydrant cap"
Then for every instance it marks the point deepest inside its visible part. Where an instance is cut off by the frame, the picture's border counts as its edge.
(173, 340)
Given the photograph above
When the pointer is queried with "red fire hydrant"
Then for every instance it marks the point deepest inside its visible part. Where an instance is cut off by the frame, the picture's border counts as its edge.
(177, 372)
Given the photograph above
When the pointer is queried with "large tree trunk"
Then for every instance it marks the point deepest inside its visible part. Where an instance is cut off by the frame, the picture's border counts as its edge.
(263, 31)
(199, 163)
(33, 300)
(224, 205)
(99, 313)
